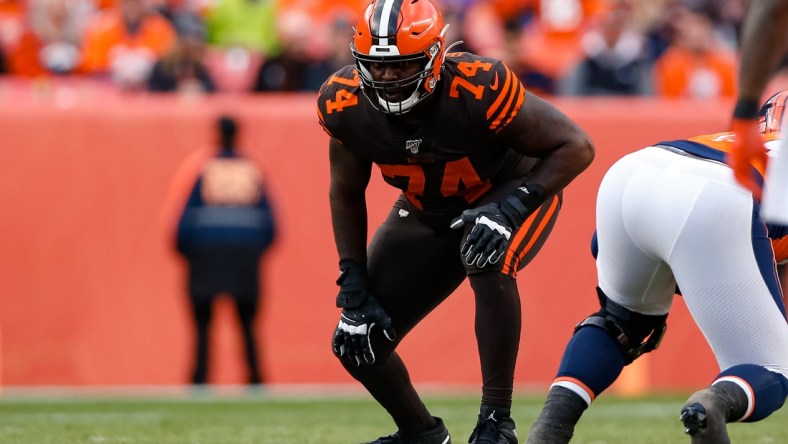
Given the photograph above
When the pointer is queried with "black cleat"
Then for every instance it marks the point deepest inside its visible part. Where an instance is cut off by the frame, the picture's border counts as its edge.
(436, 435)
(493, 428)
(703, 418)
(693, 417)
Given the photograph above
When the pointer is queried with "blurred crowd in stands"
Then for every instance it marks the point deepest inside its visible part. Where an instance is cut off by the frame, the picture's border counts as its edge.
(671, 48)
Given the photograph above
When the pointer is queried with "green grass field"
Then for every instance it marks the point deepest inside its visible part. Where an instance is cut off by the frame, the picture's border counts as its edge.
(324, 419)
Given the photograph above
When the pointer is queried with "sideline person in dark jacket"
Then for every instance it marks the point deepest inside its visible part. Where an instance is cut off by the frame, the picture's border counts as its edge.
(225, 227)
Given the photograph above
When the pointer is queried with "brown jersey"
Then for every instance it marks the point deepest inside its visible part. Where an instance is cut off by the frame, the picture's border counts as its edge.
(452, 156)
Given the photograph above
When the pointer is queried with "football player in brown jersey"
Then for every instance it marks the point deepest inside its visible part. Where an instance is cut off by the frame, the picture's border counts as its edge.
(481, 163)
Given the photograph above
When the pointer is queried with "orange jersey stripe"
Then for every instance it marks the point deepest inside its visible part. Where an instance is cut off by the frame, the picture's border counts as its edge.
(499, 100)
(541, 218)
(515, 95)
(780, 249)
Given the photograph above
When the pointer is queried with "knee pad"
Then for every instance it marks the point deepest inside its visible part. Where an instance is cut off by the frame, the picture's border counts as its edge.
(635, 333)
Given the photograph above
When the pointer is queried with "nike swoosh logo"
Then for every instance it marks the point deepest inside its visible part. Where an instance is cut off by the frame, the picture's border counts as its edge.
(494, 86)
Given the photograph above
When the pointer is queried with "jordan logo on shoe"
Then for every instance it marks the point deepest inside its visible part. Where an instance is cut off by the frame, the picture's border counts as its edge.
(492, 416)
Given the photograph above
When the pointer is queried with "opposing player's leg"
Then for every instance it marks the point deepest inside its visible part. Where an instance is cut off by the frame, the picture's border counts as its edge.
(745, 392)
(412, 269)
(736, 300)
(635, 294)
(498, 324)
(601, 346)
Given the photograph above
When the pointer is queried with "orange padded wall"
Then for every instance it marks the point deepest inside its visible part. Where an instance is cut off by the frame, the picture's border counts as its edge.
(93, 295)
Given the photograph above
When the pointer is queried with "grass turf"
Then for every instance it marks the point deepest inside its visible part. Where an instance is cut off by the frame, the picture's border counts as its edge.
(262, 418)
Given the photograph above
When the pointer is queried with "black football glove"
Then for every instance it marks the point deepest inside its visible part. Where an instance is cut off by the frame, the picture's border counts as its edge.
(361, 313)
(494, 223)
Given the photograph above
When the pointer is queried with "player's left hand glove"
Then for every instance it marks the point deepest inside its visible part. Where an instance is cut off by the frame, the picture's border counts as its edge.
(494, 223)
(361, 313)
(747, 147)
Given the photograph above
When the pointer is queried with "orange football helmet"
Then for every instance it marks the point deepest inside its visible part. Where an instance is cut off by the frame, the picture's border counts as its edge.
(772, 112)
(392, 31)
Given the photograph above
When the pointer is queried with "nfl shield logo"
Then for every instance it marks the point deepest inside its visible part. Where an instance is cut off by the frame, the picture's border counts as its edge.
(413, 145)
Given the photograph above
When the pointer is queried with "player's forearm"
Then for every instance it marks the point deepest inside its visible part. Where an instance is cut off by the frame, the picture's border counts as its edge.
(562, 166)
(763, 45)
(349, 219)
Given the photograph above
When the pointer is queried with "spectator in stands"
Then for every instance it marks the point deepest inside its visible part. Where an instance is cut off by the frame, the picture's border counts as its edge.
(124, 43)
(247, 24)
(696, 64)
(655, 19)
(539, 40)
(182, 68)
(726, 17)
(224, 229)
(613, 62)
(340, 31)
(12, 24)
(51, 41)
(303, 64)
(454, 13)
(242, 34)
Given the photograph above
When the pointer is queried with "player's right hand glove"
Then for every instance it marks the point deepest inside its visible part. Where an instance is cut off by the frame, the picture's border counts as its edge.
(361, 314)
(489, 236)
(747, 147)
(494, 223)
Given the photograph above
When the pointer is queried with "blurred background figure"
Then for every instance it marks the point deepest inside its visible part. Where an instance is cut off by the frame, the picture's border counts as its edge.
(124, 42)
(248, 24)
(303, 64)
(315, 37)
(52, 38)
(455, 15)
(226, 226)
(614, 59)
(697, 64)
(12, 24)
(538, 39)
(182, 69)
(241, 35)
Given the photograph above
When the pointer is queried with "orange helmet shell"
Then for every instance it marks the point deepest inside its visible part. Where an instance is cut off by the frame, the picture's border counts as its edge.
(400, 30)
(390, 28)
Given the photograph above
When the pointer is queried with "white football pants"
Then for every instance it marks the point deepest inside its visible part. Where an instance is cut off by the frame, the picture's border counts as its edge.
(665, 218)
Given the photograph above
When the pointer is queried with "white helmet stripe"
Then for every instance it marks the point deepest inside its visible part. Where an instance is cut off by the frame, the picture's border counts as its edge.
(387, 21)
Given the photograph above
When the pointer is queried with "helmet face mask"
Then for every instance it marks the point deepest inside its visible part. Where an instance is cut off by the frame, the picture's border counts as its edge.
(396, 34)
(772, 112)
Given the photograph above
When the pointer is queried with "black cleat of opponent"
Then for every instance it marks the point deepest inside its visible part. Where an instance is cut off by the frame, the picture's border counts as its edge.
(704, 418)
